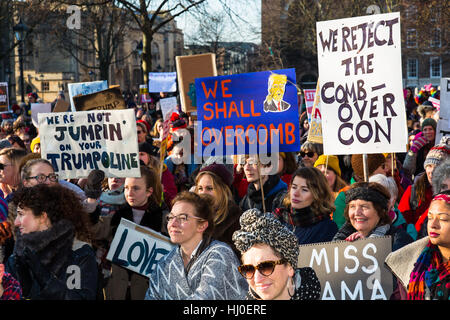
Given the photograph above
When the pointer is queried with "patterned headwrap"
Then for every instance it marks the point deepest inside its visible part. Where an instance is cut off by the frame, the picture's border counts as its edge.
(443, 197)
(258, 227)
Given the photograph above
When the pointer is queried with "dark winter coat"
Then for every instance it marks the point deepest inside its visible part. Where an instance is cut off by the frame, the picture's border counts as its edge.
(53, 265)
(307, 226)
(253, 199)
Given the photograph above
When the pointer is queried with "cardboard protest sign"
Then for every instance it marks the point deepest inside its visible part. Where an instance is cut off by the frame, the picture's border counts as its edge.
(315, 126)
(248, 113)
(138, 248)
(84, 88)
(310, 95)
(189, 68)
(61, 106)
(162, 82)
(350, 270)
(78, 142)
(443, 125)
(37, 108)
(108, 99)
(168, 106)
(4, 97)
(361, 92)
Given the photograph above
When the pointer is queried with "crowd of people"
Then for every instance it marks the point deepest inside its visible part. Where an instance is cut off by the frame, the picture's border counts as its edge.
(236, 227)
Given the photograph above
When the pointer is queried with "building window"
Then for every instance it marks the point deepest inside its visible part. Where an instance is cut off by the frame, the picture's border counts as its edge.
(45, 86)
(435, 38)
(411, 38)
(435, 67)
(412, 68)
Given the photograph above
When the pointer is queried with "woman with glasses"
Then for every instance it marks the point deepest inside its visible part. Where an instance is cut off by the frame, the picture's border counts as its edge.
(198, 267)
(309, 152)
(269, 260)
(53, 258)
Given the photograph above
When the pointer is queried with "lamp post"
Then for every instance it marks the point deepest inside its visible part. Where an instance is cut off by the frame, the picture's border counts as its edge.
(20, 31)
(140, 49)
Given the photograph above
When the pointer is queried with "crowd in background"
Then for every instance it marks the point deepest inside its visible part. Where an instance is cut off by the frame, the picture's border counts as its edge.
(231, 241)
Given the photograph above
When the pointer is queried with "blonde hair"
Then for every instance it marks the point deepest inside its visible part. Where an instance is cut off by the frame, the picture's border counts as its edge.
(222, 198)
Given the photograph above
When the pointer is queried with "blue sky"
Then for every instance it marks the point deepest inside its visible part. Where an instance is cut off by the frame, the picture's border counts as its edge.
(249, 21)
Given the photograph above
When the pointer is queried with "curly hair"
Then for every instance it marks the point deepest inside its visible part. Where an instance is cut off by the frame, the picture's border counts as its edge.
(58, 203)
(323, 202)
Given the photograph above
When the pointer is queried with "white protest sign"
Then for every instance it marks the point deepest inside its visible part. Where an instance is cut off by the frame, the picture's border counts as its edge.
(138, 248)
(309, 101)
(443, 125)
(168, 106)
(84, 88)
(162, 82)
(361, 95)
(350, 270)
(37, 108)
(78, 142)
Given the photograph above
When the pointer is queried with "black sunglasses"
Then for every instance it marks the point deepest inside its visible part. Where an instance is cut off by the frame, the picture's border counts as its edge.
(265, 268)
(310, 154)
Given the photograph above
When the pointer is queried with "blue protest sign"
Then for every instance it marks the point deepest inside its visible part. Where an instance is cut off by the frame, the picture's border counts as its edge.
(248, 113)
(84, 88)
(162, 82)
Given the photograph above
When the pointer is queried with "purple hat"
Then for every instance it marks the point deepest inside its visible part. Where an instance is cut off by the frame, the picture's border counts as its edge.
(221, 171)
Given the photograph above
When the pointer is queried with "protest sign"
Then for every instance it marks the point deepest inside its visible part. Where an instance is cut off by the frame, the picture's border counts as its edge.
(108, 99)
(443, 125)
(189, 68)
(309, 101)
(162, 82)
(138, 248)
(144, 96)
(248, 113)
(168, 106)
(84, 88)
(315, 126)
(37, 108)
(61, 106)
(361, 95)
(78, 142)
(4, 97)
(350, 270)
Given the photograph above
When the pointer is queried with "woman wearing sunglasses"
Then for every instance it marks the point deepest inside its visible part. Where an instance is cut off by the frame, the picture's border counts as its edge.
(198, 267)
(269, 260)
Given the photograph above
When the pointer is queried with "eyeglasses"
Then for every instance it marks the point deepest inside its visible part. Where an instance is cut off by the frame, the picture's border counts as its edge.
(310, 154)
(139, 132)
(3, 165)
(181, 218)
(41, 178)
(265, 268)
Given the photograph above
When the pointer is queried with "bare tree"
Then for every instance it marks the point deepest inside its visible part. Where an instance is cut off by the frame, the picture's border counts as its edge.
(95, 45)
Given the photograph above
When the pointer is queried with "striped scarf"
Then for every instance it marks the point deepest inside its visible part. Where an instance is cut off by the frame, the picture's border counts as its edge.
(429, 271)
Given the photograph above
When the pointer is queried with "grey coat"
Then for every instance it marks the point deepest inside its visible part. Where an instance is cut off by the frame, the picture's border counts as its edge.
(213, 276)
(401, 262)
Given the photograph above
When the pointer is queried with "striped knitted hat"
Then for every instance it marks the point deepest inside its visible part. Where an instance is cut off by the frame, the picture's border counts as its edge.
(436, 154)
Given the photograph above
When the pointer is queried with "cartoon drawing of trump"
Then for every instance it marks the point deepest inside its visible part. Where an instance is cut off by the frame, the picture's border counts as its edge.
(274, 100)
